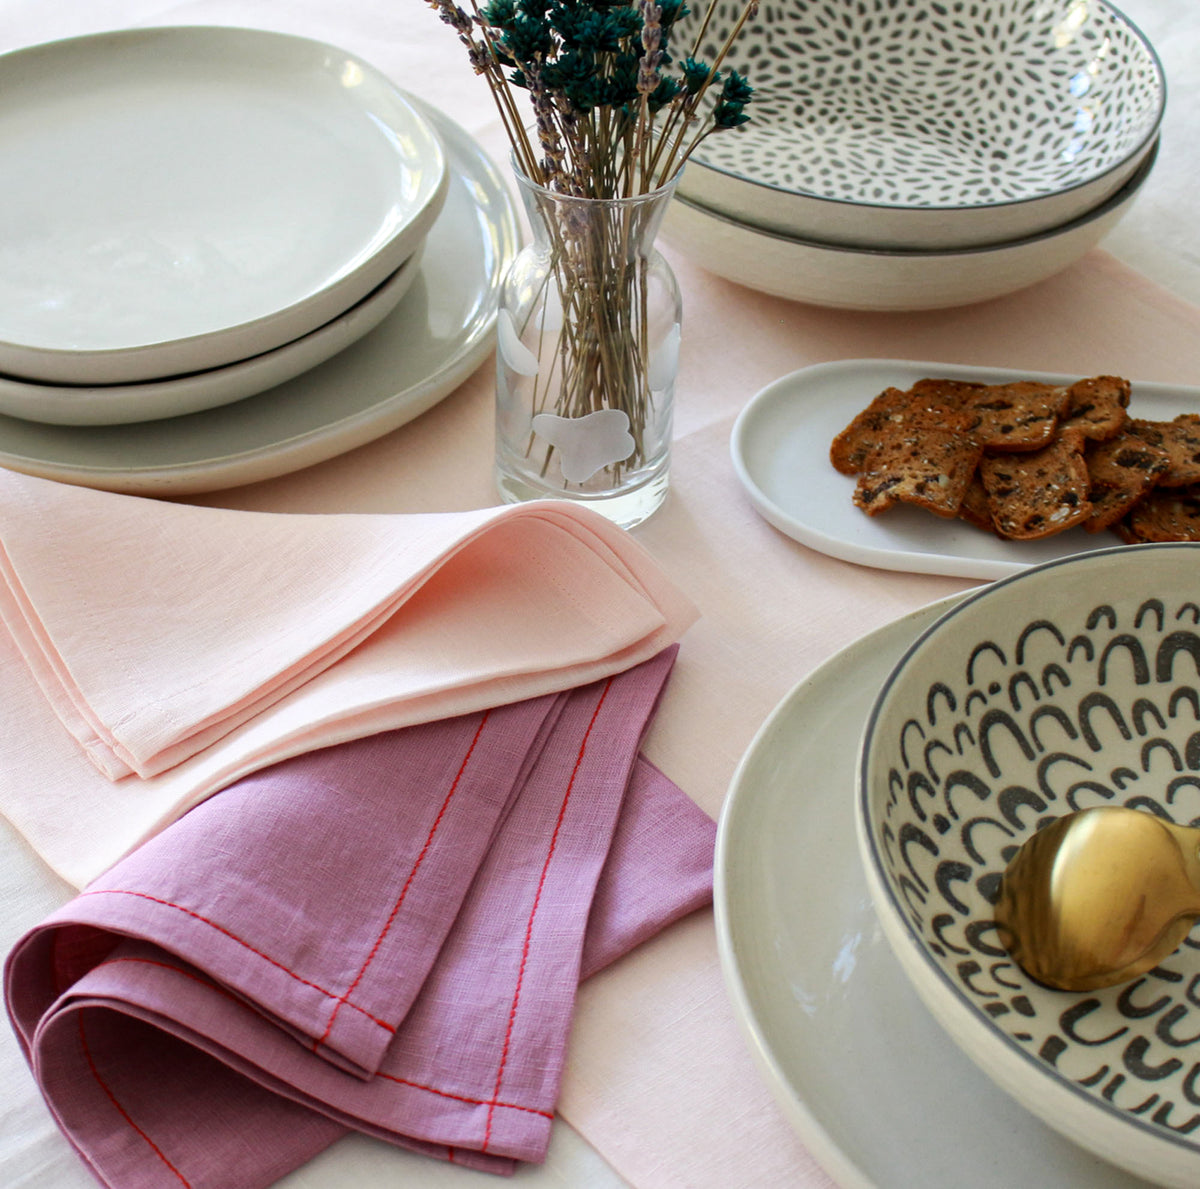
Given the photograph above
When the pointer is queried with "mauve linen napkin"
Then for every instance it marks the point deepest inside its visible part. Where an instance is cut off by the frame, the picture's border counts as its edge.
(151, 653)
(384, 935)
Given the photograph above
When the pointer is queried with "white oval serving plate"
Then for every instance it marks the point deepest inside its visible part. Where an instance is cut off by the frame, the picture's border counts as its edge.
(780, 448)
(176, 199)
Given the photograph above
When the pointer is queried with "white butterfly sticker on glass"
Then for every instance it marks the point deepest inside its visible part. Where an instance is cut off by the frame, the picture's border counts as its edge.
(586, 444)
(517, 357)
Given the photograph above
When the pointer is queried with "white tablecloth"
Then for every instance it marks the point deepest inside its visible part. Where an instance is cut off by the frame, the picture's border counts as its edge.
(660, 1091)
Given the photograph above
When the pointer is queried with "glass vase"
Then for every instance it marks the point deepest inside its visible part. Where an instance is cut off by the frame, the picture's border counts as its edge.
(587, 352)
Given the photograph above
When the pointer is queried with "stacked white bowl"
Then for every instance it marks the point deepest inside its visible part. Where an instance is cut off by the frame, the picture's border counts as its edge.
(193, 215)
(918, 155)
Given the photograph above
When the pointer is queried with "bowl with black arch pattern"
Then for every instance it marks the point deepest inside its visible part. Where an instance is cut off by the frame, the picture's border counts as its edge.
(1069, 685)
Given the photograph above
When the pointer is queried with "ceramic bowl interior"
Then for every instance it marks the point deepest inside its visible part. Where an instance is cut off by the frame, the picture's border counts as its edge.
(931, 123)
(842, 277)
(1070, 685)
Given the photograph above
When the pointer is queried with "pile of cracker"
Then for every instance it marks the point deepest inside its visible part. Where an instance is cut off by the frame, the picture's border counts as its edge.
(1027, 460)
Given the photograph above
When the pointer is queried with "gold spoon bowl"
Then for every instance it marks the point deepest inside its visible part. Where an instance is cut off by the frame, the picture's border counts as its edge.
(1099, 897)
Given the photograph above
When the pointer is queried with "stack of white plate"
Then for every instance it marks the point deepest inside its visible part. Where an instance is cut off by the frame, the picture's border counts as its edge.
(919, 155)
(225, 253)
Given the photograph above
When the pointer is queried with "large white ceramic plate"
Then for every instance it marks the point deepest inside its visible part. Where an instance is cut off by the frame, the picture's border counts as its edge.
(780, 446)
(176, 199)
(433, 340)
(875, 1088)
(119, 404)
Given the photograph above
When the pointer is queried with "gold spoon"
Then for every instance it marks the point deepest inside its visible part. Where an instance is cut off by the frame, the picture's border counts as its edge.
(1099, 896)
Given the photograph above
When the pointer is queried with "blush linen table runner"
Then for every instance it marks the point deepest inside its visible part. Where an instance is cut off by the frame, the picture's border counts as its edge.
(386, 935)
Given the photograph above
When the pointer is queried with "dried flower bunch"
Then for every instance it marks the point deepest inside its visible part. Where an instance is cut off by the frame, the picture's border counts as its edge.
(614, 112)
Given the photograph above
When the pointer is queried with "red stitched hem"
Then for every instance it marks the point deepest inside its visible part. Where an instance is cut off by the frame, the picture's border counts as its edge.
(512, 1013)
(489, 1102)
(412, 875)
(212, 984)
(391, 1077)
(87, 1053)
(240, 941)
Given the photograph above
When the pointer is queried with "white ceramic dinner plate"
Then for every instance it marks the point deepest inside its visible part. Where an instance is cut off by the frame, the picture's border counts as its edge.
(429, 344)
(875, 1088)
(780, 447)
(119, 404)
(176, 199)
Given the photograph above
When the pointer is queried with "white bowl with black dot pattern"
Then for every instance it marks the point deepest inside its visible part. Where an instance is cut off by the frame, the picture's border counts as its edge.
(1072, 684)
(926, 123)
(888, 279)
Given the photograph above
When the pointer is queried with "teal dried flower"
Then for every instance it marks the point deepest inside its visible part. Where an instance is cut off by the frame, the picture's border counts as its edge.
(667, 91)
(584, 95)
(672, 10)
(729, 115)
(695, 75)
(527, 39)
(500, 14)
(735, 94)
(576, 25)
(568, 71)
(737, 89)
(623, 81)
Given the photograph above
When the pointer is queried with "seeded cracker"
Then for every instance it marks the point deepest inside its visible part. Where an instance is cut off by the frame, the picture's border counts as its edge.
(1181, 440)
(975, 509)
(891, 414)
(1121, 470)
(1166, 514)
(1038, 494)
(1022, 415)
(1097, 406)
(930, 468)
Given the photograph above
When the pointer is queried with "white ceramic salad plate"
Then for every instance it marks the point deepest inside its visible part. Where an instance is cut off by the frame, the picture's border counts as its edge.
(429, 344)
(176, 199)
(118, 404)
(874, 1086)
(780, 447)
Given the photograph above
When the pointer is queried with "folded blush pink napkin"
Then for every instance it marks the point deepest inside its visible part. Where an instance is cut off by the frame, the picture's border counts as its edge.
(385, 935)
(151, 653)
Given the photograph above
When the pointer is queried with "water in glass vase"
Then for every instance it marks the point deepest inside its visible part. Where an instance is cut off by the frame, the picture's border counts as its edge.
(587, 353)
